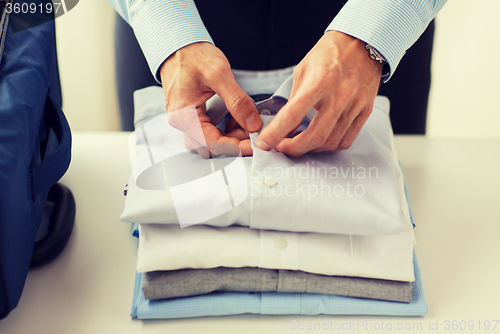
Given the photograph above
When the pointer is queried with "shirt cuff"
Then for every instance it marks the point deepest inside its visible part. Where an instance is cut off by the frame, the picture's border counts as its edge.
(163, 27)
(391, 27)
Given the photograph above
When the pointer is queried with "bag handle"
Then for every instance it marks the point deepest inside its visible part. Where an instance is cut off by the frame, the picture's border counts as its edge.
(4, 21)
(53, 167)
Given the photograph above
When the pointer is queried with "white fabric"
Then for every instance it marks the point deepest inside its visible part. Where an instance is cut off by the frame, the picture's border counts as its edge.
(358, 191)
(169, 247)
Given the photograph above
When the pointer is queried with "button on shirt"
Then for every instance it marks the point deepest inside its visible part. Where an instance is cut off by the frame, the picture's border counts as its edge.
(170, 247)
(358, 191)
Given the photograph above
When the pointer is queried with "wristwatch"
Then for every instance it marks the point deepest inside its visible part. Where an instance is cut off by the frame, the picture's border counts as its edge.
(377, 56)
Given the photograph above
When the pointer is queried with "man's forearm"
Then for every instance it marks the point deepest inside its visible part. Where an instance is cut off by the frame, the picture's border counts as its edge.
(162, 27)
(391, 27)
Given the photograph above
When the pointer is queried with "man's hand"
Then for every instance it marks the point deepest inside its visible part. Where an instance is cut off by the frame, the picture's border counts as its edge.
(338, 79)
(195, 73)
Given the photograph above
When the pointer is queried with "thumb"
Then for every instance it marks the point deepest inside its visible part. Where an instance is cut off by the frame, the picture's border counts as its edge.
(238, 103)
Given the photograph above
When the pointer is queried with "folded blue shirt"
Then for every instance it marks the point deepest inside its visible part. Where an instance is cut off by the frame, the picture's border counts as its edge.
(274, 303)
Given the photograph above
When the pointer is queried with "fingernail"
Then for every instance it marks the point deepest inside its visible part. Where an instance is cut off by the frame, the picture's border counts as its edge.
(263, 146)
(252, 122)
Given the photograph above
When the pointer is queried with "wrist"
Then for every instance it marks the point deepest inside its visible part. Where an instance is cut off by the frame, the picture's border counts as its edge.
(369, 54)
(185, 58)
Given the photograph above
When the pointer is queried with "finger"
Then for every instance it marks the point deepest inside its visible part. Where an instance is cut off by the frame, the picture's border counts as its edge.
(189, 120)
(239, 134)
(339, 141)
(191, 144)
(337, 133)
(316, 135)
(232, 146)
(238, 103)
(246, 148)
(204, 152)
(335, 137)
(188, 142)
(286, 120)
(232, 125)
(353, 131)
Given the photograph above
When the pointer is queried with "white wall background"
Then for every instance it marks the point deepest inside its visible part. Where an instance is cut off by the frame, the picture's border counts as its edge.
(465, 90)
(85, 49)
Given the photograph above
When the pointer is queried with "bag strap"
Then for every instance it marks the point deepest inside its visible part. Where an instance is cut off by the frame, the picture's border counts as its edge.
(4, 20)
(53, 167)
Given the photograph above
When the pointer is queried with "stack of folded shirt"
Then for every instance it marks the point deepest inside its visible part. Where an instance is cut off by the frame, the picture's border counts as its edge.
(268, 234)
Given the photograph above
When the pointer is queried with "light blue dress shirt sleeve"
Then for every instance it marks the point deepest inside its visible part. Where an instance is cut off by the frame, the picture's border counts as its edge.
(391, 26)
(162, 27)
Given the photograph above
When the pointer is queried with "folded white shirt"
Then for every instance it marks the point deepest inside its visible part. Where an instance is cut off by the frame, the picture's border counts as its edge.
(358, 191)
(170, 247)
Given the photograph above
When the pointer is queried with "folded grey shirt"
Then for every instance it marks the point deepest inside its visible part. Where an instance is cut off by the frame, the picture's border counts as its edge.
(358, 191)
(191, 282)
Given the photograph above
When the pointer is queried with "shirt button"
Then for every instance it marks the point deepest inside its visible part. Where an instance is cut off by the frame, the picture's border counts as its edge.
(280, 242)
(270, 182)
(265, 112)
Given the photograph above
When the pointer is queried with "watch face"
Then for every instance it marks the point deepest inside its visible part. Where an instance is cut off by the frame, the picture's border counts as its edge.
(375, 55)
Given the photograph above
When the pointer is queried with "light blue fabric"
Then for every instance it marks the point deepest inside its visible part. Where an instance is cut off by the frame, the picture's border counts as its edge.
(135, 227)
(391, 26)
(230, 303)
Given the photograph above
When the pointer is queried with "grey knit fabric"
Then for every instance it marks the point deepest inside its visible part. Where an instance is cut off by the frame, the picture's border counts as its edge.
(190, 282)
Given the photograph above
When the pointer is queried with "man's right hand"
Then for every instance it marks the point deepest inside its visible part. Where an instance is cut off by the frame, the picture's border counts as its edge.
(192, 75)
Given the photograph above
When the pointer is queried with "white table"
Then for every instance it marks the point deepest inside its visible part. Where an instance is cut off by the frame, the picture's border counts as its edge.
(453, 187)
